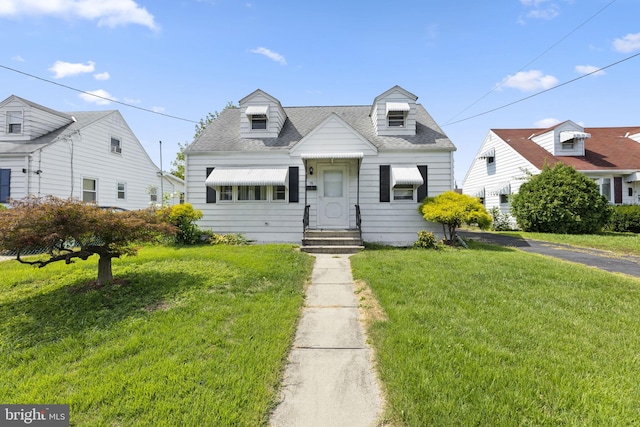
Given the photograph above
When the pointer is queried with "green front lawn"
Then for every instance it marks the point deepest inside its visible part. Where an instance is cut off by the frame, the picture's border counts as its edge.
(497, 337)
(186, 337)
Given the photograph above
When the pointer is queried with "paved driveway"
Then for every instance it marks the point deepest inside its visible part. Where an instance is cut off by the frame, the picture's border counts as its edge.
(604, 260)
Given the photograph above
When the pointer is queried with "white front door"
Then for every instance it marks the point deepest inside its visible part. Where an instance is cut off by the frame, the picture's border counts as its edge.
(333, 196)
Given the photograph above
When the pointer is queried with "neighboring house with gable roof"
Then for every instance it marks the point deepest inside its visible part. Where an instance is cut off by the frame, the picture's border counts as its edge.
(92, 156)
(270, 172)
(610, 156)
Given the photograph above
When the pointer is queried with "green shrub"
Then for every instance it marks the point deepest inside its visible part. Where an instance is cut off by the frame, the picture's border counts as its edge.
(625, 218)
(427, 240)
(501, 221)
(228, 239)
(2, 207)
(560, 200)
(184, 217)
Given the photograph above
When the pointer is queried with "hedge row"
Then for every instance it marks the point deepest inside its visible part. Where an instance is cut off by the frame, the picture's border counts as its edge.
(625, 218)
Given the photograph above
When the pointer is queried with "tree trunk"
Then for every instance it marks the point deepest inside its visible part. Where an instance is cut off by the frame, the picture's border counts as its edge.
(105, 275)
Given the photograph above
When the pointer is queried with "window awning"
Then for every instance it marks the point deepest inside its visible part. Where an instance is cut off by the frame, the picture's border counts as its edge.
(398, 106)
(247, 176)
(500, 189)
(257, 110)
(406, 175)
(632, 177)
(569, 135)
(308, 156)
(487, 154)
(479, 192)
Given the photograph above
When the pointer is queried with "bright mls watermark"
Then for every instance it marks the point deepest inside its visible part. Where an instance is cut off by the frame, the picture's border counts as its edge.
(34, 415)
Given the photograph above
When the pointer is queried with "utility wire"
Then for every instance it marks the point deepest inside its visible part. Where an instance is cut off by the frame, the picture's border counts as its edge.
(97, 96)
(543, 91)
(530, 62)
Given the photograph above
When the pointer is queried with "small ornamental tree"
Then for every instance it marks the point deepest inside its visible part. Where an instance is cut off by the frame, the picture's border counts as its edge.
(452, 210)
(67, 229)
(560, 200)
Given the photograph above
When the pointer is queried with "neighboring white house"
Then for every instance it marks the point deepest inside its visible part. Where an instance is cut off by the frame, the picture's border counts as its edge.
(93, 156)
(269, 172)
(608, 155)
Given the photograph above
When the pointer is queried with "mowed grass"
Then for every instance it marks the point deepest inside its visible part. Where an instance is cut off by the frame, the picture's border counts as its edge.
(497, 337)
(620, 243)
(186, 336)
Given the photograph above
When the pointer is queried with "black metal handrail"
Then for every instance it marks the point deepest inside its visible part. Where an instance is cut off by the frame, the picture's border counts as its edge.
(359, 220)
(305, 218)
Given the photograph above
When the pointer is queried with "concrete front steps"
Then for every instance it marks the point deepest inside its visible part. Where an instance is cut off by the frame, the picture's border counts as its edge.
(331, 242)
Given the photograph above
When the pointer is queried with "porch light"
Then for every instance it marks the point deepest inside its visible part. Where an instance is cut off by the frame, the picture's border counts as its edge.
(310, 170)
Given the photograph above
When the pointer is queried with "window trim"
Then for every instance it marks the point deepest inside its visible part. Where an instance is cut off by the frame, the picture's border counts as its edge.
(258, 119)
(10, 122)
(397, 197)
(153, 194)
(94, 191)
(123, 191)
(399, 117)
(118, 148)
(269, 192)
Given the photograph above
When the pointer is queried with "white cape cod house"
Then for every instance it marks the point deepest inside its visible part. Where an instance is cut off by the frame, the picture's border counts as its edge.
(92, 156)
(608, 155)
(272, 172)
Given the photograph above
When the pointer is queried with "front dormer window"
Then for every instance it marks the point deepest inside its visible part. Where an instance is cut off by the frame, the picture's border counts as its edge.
(14, 122)
(568, 145)
(397, 114)
(396, 119)
(257, 115)
(258, 122)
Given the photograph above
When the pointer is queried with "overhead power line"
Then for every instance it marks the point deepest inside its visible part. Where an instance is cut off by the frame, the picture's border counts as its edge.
(543, 91)
(530, 62)
(98, 96)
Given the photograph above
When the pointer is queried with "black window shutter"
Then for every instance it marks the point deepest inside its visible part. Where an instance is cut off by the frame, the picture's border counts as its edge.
(5, 185)
(385, 183)
(423, 189)
(293, 184)
(617, 189)
(211, 193)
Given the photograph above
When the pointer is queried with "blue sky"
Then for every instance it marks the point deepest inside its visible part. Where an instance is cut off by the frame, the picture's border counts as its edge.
(186, 58)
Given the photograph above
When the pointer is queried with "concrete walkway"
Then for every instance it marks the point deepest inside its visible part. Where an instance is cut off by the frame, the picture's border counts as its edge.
(329, 379)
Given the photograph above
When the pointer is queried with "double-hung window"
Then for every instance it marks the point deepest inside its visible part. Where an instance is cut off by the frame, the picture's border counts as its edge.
(258, 122)
(396, 119)
(403, 192)
(153, 194)
(14, 122)
(116, 146)
(122, 191)
(89, 190)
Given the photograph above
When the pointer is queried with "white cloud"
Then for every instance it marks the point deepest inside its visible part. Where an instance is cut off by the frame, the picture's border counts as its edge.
(529, 81)
(18, 58)
(270, 54)
(588, 69)
(132, 101)
(102, 76)
(63, 69)
(99, 97)
(547, 123)
(628, 43)
(540, 9)
(158, 109)
(109, 13)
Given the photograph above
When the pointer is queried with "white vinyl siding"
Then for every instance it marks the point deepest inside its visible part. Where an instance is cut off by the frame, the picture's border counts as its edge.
(507, 167)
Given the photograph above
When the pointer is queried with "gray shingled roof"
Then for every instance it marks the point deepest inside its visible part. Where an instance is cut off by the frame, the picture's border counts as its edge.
(223, 134)
(83, 118)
